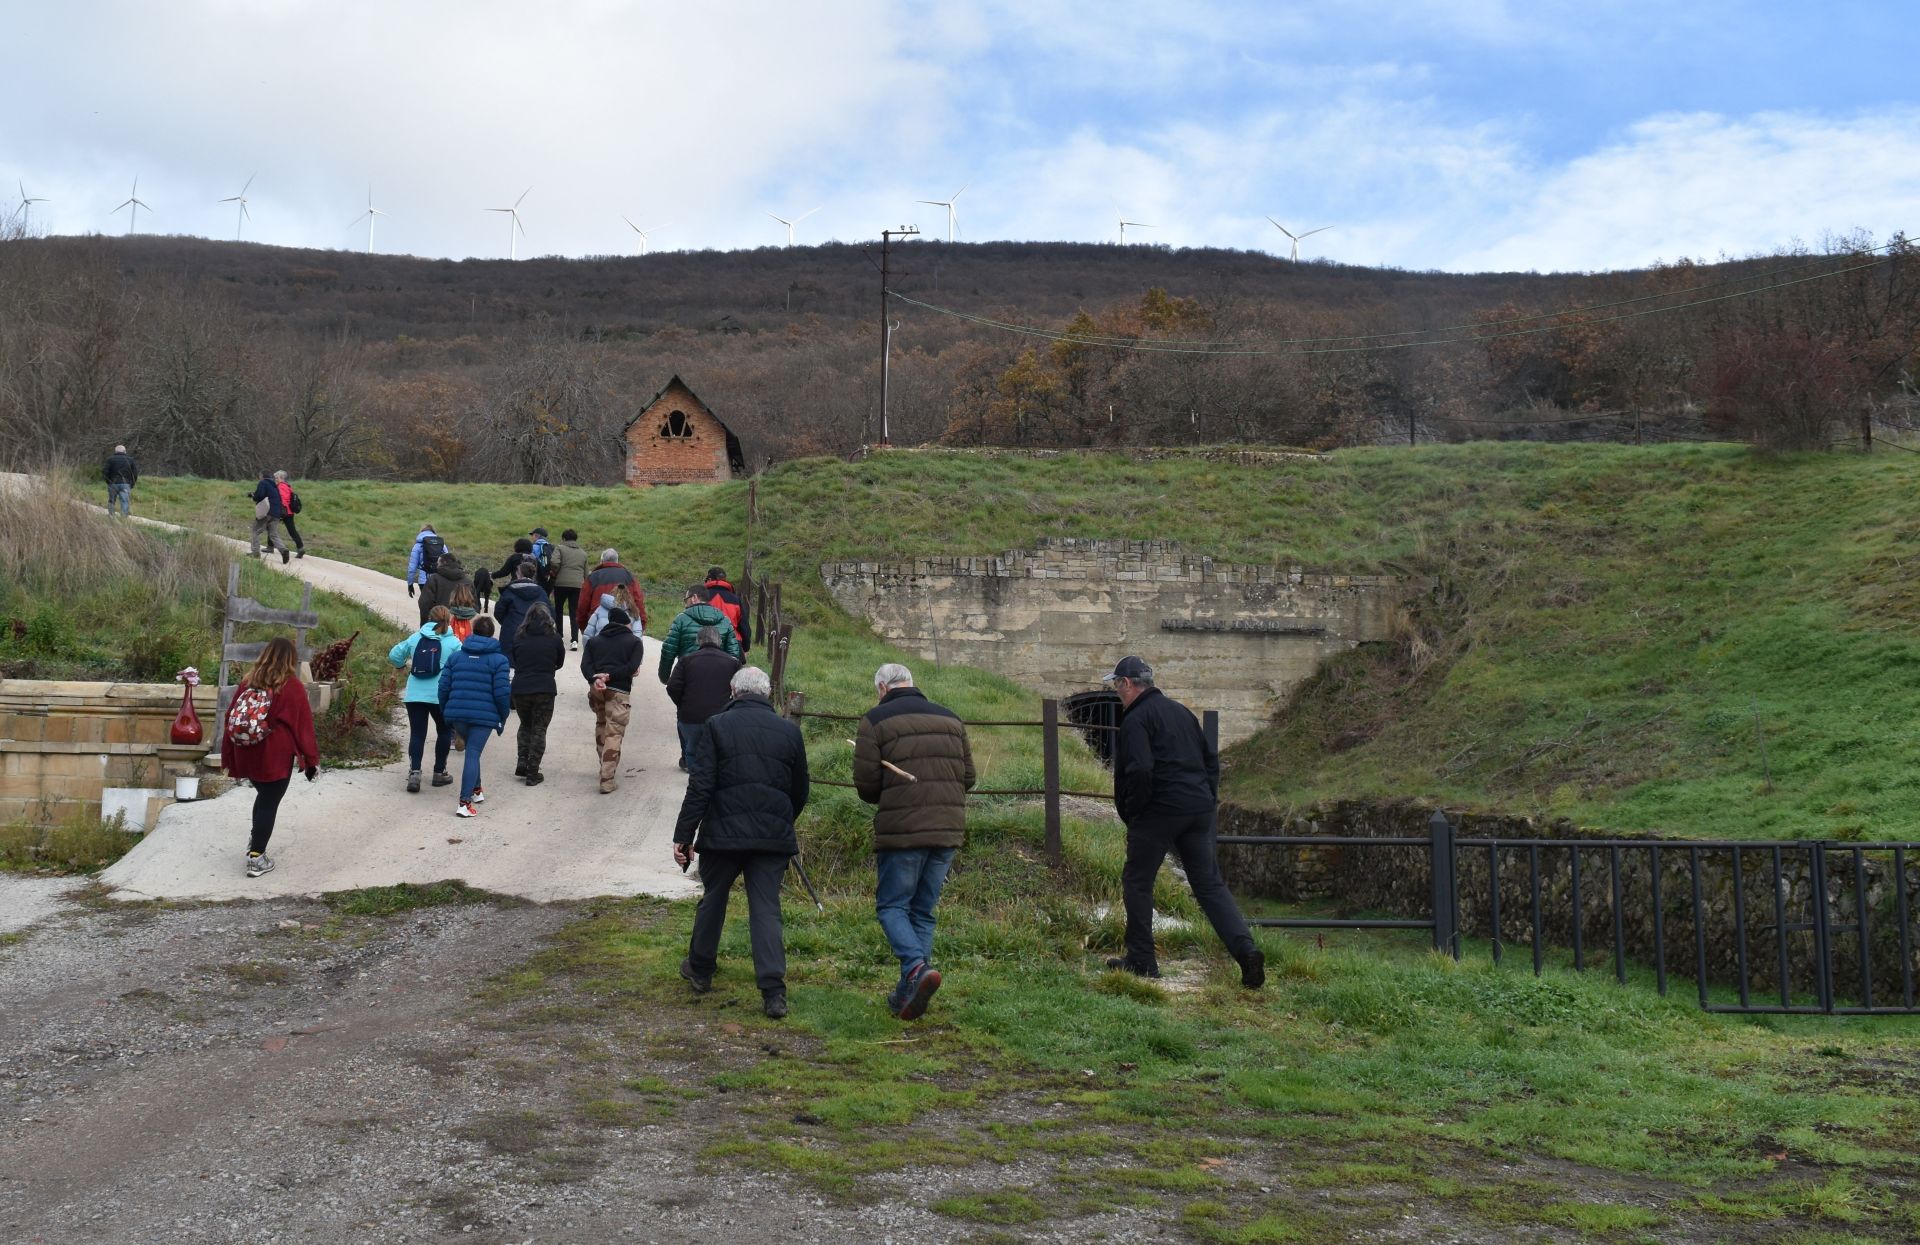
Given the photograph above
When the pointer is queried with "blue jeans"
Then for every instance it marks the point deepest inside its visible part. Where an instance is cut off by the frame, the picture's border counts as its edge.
(120, 495)
(476, 736)
(908, 888)
(689, 733)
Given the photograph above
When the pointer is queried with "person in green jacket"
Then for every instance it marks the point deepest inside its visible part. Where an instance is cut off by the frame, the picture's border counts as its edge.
(683, 636)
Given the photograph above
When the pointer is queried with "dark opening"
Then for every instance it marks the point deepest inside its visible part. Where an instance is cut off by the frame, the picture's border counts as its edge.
(1096, 713)
(677, 425)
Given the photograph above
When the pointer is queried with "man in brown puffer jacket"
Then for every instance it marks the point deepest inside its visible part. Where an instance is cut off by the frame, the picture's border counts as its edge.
(911, 758)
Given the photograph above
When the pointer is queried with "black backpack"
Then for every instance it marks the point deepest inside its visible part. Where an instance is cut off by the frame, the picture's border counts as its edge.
(293, 507)
(426, 658)
(432, 549)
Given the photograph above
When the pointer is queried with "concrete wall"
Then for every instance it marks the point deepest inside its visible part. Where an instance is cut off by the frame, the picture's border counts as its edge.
(63, 743)
(1234, 638)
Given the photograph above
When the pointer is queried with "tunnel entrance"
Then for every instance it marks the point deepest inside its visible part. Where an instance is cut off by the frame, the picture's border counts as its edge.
(1096, 714)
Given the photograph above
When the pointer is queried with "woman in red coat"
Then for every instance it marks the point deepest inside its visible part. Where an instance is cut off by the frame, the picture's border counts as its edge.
(268, 733)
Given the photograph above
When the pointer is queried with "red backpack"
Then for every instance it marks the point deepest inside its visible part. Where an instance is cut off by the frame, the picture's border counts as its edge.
(247, 724)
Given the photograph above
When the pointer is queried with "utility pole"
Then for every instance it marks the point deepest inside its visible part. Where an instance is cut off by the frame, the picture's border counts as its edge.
(886, 326)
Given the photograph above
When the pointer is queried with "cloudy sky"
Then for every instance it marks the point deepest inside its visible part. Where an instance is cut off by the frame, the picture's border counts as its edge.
(1453, 134)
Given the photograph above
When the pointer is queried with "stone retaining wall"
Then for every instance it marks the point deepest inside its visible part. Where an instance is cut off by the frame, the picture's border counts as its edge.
(1398, 881)
(62, 743)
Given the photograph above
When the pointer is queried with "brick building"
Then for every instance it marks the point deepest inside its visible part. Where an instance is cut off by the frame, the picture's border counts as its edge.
(676, 439)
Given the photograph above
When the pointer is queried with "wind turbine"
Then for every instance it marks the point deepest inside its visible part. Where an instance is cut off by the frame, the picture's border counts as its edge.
(946, 203)
(513, 222)
(241, 199)
(644, 232)
(26, 204)
(791, 223)
(1296, 236)
(367, 216)
(1124, 222)
(134, 203)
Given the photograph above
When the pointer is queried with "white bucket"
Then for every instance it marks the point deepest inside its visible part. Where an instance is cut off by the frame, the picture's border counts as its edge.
(187, 788)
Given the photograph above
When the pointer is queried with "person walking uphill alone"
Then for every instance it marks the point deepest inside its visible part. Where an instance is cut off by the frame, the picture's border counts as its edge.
(728, 602)
(268, 733)
(748, 785)
(290, 502)
(121, 473)
(612, 659)
(268, 512)
(911, 758)
(700, 687)
(604, 578)
(1166, 779)
(476, 694)
(537, 655)
(423, 655)
(569, 572)
(684, 635)
(517, 599)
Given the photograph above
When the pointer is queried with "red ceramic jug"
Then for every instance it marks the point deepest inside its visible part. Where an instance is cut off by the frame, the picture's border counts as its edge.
(186, 723)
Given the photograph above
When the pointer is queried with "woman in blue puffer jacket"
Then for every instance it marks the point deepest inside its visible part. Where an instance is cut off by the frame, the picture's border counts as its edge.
(476, 694)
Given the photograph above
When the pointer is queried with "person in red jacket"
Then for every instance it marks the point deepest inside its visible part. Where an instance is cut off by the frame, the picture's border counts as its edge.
(602, 580)
(268, 733)
(728, 602)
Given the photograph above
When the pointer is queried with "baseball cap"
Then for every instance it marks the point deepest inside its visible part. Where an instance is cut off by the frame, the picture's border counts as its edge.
(1129, 668)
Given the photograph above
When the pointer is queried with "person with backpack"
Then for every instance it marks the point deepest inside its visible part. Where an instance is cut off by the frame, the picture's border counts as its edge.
(542, 558)
(684, 635)
(446, 577)
(427, 551)
(601, 580)
(121, 474)
(476, 694)
(728, 602)
(569, 572)
(290, 502)
(266, 735)
(612, 659)
(423, 655)
(268, 514)
(536, 656)
(517, 600)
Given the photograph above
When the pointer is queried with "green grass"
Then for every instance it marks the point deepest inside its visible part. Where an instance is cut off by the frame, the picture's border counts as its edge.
(406, 896)
(77, 845)
(1615, 631)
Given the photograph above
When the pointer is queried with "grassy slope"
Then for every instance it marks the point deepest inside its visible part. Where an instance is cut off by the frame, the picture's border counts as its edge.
(1617, 627)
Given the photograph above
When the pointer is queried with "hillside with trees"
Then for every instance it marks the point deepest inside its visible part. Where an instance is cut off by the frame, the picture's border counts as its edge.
(218, 357)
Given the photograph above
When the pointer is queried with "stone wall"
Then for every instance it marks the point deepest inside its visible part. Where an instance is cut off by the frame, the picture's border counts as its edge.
(63, 743)
(1398, 881)
(1230, 637)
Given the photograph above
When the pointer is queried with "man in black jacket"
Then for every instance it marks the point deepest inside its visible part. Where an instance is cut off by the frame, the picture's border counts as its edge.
(747, 786)
(268, 512)
(699, 687)
(609, 664)
(1166, 779)
(121, 474)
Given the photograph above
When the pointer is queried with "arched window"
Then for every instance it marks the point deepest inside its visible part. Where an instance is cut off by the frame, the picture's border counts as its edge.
(677, 426)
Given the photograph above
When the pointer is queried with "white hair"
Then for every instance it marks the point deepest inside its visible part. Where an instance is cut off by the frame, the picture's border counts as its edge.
(280, 475)
(893, 674)
(119, 449)
(751, 681)
(609, 555)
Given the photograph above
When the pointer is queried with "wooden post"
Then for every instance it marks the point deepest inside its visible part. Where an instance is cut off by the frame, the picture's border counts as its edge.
(1050, 745)
(796, 704)
(778, 674)
(1210, 724)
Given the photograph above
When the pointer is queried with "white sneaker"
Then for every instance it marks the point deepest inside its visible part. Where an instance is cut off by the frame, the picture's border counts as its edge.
(257, 865)
(466, 810)
(479, 796)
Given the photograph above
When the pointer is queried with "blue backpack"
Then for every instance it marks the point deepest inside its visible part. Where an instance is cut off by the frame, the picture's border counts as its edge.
(426, 658)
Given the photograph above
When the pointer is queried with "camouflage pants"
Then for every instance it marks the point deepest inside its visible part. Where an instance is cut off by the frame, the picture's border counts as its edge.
(611, 711)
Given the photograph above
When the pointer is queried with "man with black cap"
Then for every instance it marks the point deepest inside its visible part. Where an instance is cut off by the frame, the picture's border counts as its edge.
(1166, 779)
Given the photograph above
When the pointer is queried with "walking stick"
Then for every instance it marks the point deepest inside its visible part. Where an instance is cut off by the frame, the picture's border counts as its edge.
(812, 894)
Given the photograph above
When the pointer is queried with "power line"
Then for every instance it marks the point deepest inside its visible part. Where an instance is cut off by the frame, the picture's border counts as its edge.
(1150, 346)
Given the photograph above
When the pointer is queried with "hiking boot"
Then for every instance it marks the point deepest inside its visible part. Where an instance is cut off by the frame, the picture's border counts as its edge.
(1125, 965)
(919, 993)
(1253, 969)
(536, 778)
(466, 810)
(700, 984)
(442, 779)
(258, 863)
(774, 1003)
(520, 771)
(413, 782)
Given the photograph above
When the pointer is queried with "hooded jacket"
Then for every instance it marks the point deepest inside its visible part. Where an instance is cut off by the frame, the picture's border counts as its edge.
(289, 740)
(684, 636)
(616, 652)
(600, 581)
(423, 691)
(746, 782)
(439, 586)
(536, 656)
(417, 570)
(475, 686)
(728, 602)
(1163, 765)
(569, 564)
(928, 741)
(702, 683)
(510, 608)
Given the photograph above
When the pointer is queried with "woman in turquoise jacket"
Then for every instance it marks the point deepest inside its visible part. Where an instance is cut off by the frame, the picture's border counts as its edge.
(422, 696)
(476, 694)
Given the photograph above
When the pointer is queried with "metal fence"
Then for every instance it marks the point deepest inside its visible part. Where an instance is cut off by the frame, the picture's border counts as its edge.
(1802, 935)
